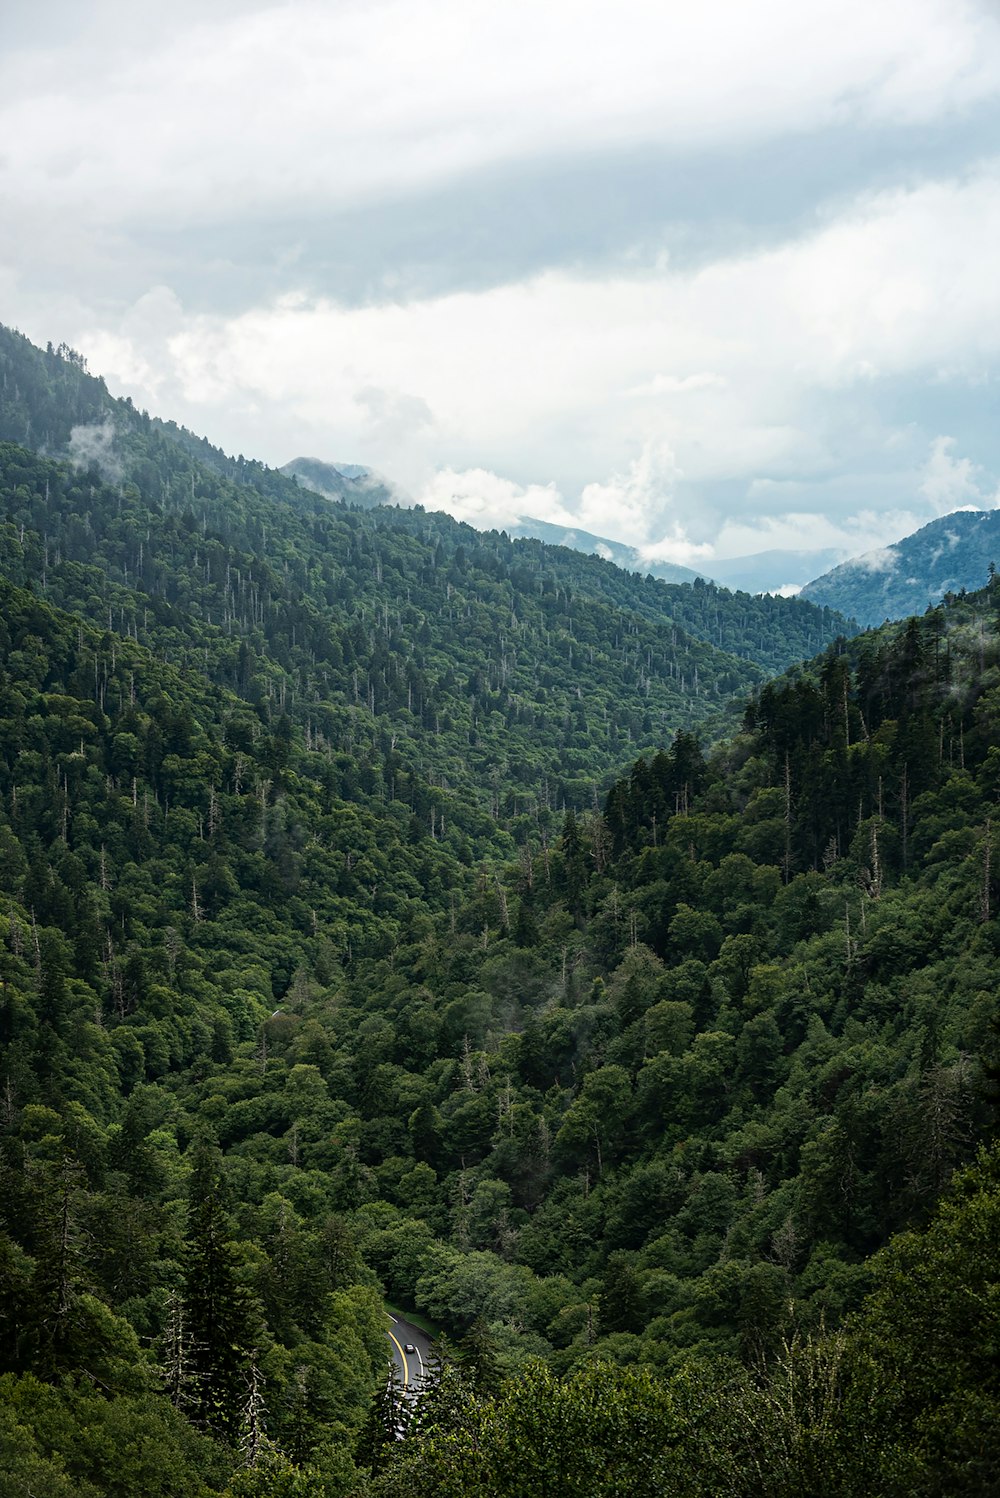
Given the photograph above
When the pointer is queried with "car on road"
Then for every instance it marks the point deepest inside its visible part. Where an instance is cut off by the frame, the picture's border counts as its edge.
(408, 1347)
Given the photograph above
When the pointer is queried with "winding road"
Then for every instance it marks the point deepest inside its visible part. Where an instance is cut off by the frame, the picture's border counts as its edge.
(410, 1366)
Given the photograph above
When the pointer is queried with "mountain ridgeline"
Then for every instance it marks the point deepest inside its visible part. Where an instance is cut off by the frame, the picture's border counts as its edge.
(387, 909)
(628, 557)
(953, 554)
(765, 571)
(349, 483)
(421, 620)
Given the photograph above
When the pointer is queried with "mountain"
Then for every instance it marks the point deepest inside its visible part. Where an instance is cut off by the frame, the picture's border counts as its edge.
(946, 556)
(463, 650)
(624, 556)
(762, 572)
(358, 938)
(351, 483)
(698, 647)
(781, 956)
(769, 571)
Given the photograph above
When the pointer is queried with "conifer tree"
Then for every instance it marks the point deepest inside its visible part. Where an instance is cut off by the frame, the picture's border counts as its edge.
(219, 1309)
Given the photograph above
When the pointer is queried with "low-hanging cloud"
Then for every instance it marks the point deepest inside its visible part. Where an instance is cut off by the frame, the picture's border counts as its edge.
(567, 375)
(952, 483)
(633, 506)
(93, 446)
(489, 502)
(884, 559)
(691, 412)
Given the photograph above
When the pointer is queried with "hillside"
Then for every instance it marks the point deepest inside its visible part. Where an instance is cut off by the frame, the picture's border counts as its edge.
(612, 551)
(760, 572)
(771, 569)
(603, 1099)
(348, 483)
(395, 621)
(950, 555)
(329, 971)
(383, 634)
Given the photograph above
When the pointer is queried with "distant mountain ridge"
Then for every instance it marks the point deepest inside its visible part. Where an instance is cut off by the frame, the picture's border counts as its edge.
(622, 555)
(759, 572)
(773, 571)
(350, 482)
(948, 555)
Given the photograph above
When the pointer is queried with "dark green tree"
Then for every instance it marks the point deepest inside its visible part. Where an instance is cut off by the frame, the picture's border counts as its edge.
(219, 1312)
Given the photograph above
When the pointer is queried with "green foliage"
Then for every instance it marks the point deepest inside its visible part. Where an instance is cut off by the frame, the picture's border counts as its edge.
(904, 1401)
(70, 1439)
(605, 1431)
(948, 556)
(933, 1320)
(218, 1313)
(322, 974)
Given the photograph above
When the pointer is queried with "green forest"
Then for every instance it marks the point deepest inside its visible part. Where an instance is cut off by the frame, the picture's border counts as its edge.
(603, 970)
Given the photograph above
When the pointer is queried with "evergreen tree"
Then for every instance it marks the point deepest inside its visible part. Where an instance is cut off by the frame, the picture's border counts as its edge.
(219, 1312)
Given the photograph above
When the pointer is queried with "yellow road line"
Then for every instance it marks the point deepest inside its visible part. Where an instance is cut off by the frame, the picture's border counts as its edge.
(406, 1366)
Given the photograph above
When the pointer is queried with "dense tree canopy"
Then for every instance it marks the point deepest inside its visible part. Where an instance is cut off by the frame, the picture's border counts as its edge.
(347, 949)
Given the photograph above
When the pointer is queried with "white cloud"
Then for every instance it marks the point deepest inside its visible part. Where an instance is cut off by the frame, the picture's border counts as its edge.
(632, 506)
(263, 107)
(885, 559)
(93, 446)
(664, 384)
(951, 483)
(561, 377)
(865, 531)
(486, 500)
(677, 546)
(138, 353)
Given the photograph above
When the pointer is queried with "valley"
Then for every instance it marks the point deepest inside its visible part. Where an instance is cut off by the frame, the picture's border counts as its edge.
(602, 968)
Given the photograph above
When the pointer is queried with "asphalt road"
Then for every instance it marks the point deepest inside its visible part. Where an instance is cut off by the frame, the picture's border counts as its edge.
(410, 1366)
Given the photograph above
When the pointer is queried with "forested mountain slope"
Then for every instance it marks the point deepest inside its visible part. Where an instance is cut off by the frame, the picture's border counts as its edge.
(653, 1094)
(491, 680)
(612, 551)
(729, 1033)
(757, 1048)
(347, 482)
(159, 853)
(950, 555)
(637, 1091)
(50, 404)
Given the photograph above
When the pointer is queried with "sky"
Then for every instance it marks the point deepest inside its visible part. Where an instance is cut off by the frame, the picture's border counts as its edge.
(710, 280)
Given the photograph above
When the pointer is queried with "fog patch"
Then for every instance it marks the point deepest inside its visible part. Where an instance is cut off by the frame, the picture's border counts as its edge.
(951, 483)
(92, 446)
(489, 501)
(885, 559)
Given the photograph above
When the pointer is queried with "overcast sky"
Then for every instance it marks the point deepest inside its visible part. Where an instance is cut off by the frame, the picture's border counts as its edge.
(706, 278)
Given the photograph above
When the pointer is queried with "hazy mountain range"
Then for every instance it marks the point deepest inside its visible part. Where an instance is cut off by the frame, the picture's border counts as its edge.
(351, 482)
(949, 554)
(764, 572)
